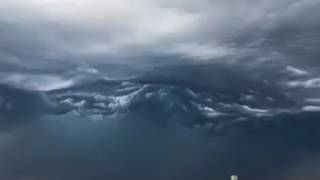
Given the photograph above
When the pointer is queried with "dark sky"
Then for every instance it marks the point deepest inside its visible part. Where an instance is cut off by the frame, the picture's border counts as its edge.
(239, 45)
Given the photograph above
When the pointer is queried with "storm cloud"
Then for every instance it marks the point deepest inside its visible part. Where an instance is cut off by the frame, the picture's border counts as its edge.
(159, 89)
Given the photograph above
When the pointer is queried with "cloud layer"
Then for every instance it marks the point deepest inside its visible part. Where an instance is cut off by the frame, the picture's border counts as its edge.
(51, 30)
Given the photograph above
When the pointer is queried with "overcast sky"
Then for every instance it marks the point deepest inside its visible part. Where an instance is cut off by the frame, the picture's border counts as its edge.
(44, 33)
(95, 30)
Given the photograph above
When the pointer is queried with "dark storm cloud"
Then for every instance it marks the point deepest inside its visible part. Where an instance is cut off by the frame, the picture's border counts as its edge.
(23, 107)
(68, 30)
(138, 149)
(56, 33)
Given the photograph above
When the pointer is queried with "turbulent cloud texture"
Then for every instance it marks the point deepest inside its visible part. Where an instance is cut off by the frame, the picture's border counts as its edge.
(77, 30)
(159, 89)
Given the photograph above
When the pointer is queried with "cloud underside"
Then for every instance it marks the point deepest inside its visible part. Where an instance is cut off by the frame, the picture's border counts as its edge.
(75, 30)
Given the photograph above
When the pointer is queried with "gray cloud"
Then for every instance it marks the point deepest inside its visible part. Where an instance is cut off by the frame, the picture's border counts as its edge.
(54, 34)
(46, 31)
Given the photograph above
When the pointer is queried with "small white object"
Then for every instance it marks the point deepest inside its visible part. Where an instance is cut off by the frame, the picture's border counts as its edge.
(234, 177)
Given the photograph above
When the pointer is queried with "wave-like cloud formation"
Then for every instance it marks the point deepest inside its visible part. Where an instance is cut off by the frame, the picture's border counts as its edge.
(209, 94)
(81, 99)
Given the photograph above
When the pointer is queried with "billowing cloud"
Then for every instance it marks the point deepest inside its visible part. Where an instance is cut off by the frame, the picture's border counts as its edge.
(51, 30)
